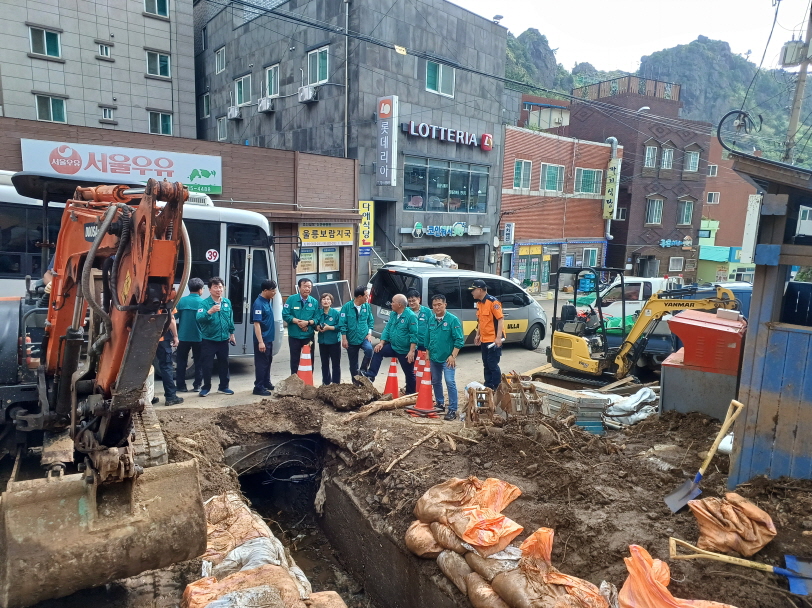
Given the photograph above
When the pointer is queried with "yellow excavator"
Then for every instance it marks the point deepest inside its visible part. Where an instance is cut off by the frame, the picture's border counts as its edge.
(579, 343)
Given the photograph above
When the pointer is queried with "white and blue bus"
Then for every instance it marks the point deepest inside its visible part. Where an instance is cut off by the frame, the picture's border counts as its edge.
(231, 243)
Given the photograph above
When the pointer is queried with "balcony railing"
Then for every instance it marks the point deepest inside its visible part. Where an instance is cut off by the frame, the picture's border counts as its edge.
(629, 84)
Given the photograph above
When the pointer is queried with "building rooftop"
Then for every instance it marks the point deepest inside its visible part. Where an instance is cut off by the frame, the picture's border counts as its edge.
(633, 85)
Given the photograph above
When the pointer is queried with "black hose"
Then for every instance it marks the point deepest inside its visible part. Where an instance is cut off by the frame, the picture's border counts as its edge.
(106, 298)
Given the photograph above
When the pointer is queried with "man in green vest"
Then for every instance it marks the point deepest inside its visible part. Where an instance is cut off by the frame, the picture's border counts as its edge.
(300, 313)
(216, 321)
(444, 339)
(355, 322)
(189, 338)
(423, 314)
(399, 339)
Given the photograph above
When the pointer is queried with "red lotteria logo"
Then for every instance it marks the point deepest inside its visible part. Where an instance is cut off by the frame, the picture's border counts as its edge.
(385, 108)
(487, 141)
(65, 160)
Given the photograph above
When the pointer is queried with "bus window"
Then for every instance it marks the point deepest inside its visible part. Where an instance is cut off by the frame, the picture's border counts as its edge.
(259, 272)
(20, 232)
(236, 282)
(203, 236)
(245, 234)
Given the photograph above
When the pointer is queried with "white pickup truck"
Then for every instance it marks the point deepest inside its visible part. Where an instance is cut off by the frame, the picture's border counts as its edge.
(638, 290)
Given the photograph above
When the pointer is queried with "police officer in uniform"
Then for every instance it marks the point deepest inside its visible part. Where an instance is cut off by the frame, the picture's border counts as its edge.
(488, 332)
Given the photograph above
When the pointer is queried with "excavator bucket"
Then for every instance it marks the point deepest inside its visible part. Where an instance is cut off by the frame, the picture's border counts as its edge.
(63, 534)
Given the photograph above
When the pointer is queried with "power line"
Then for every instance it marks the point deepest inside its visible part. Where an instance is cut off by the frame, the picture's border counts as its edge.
(766, 46)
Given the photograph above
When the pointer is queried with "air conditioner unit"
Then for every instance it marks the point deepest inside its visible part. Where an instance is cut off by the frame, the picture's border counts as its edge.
(265, 105)
(308, 94)
(234, 113)
(558, 120)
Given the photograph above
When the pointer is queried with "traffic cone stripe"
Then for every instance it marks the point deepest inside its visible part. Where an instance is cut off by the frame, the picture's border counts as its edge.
(305, 371)
(425, 402)
(392, 379)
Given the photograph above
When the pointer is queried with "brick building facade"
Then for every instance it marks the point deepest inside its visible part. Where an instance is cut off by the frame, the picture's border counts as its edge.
(552, 197)
(289, 188)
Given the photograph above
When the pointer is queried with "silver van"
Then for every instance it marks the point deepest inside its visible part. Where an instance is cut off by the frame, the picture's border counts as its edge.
(525, 320)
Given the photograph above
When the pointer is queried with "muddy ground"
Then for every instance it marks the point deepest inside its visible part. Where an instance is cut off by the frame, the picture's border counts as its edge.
(599, 494)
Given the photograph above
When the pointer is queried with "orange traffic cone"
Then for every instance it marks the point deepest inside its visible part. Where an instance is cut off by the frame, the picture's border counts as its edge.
(306, 366)
(392, 379)
(425, 399)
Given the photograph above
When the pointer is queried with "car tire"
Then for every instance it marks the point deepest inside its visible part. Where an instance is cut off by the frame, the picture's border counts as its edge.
(534, 336)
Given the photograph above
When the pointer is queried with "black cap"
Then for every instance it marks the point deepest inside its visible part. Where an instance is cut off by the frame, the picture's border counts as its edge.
(478, 284)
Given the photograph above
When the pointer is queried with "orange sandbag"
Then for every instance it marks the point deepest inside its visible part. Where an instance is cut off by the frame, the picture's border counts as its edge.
(204, 591)
(326, 599)
(447, 538)
(453, 493)
(481, 594)
(420, 541)
(647, 585)
(495, 494)
(732, 523)
(230, 522)
(485, 530)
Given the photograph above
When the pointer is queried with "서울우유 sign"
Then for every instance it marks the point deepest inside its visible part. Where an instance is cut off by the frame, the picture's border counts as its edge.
(110, 164)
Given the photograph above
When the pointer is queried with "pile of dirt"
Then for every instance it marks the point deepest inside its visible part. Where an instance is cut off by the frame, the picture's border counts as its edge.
(600, 494)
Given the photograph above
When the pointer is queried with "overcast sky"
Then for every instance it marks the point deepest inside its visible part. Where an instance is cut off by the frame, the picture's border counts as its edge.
(615, 35)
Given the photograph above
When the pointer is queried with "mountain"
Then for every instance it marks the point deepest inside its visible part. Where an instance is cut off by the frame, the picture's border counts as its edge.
(530, 59)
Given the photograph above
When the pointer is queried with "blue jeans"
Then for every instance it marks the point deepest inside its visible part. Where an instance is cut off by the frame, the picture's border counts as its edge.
(352, 353)
(164, 355)
(438, 372)
(490, 363)
(408, 368)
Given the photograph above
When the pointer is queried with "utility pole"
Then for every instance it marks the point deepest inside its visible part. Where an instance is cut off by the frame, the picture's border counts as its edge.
(795, 114)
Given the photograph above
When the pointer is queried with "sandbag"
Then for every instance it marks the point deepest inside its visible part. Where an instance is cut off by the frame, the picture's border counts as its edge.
(420, 541)
(252, 554)
(230, 523)
(455, 568)
(326, 599)
(201, 593)
(481, 594)
(488, 567)
(265, 596)
(647, 585)
(732, 523)
(484, 529)
(447, 538)
(495, 494)
(518, 590)
(492, 494)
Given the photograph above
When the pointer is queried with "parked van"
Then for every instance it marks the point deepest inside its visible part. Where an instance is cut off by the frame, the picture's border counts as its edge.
(525, 320)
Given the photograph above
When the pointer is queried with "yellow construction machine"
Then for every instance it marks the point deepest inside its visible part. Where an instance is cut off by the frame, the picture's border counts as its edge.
(89, 496)
(579, 343)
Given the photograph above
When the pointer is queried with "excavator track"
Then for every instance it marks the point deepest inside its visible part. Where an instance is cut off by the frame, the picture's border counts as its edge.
(149, 444)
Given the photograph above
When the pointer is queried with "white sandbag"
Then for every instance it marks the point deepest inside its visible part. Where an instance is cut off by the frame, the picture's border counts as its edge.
(252, 554)
(255, 597)
(626, 411)
(455, 568)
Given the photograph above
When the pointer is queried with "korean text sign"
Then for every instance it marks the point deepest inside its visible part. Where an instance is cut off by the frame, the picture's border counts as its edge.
(109, 164)
(366, 231)
(387, 116)
(612, 182)
(325, 235)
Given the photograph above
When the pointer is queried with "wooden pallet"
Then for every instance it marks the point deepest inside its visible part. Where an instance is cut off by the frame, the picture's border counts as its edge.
(480, 409)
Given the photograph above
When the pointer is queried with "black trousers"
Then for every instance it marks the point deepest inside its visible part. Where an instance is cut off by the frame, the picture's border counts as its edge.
(490, 364)
(330, 355)
(209, 349)
(295, 345)
(181, 362)
(164, 355)
(262, 366)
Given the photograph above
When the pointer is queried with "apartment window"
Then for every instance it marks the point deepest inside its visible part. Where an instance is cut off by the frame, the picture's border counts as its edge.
(157, 7)
(590, 257)
(440, 78)
(272, 81)
(220, 60)
(108, 114)
(51, 109)
(205, 105)
(667, 161)
(222, 128)
(204, 38)
(676, 264)
(654, 211)
(685, 212)
(703, 234)
(242, 90)
(651, 157)
(692, 161)
(317, 66)
(713, 198)
(158, 64)
(521, 174)
(621, 214)
(104, 50)
(160, 123)
(713, 170)
(588, 181)
(45, 42)
(552, 178)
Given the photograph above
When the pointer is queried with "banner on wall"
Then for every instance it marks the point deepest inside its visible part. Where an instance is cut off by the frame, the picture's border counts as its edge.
(387, 116)
(612, 181)
(366, 230)
(326, 234)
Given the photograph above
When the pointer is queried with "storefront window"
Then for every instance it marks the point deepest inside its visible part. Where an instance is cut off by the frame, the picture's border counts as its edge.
(434, 185)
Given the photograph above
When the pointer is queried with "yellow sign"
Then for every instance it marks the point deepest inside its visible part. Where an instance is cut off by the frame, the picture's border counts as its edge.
(535, 249)
(612, 183)
(325, 235)
(307, 261)
(524, 250)
(546, 258)
(366, 231)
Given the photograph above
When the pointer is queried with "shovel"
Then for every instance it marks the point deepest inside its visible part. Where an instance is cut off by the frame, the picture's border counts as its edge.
(800, 577)
(690, 488)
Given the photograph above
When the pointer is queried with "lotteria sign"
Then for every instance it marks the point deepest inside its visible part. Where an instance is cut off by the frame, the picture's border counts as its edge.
(454, 136)
(109, 164)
